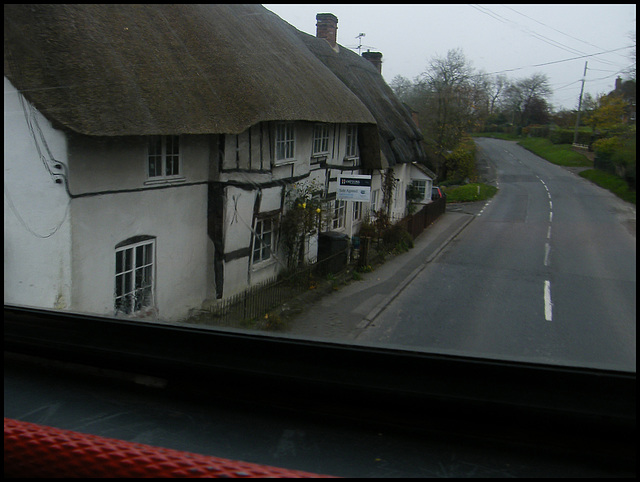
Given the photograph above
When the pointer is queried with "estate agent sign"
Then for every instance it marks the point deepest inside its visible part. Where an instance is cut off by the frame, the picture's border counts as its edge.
(355, 187)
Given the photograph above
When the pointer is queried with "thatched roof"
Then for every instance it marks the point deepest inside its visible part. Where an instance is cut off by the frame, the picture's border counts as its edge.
(111, 70)
(399, 136)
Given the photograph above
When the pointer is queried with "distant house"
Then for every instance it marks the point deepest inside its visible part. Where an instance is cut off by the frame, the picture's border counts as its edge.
(626, 90)
(149, 149)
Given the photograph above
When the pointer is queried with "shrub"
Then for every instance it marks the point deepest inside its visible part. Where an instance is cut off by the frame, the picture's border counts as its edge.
(397, 238)
(461, 162)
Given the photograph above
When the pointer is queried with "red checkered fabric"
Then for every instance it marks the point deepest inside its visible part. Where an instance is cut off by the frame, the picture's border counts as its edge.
(32, 450)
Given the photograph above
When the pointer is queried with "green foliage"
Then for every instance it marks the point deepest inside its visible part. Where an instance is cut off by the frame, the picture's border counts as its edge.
(471, 192)
(609, 113)
(412, 195)
(617, 155)
(611, 182)
(397, 239)
(461, 163)
(561, 154)
(608, 146)
(535, 131)
(565, 136)
(302, 218)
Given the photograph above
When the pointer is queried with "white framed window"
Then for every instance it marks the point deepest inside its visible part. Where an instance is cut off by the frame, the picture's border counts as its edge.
(163, 157)
(339, 214)
(135, 272)
(421, 186)
(352, 141)
(264, 239)
(357, 211)
(321, 139)
(375, 194)
(285, 142)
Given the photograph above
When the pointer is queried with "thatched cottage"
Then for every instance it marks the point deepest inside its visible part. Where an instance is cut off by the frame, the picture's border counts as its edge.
(150, 149)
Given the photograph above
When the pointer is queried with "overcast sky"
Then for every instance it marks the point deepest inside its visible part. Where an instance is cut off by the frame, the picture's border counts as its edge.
(517, 40)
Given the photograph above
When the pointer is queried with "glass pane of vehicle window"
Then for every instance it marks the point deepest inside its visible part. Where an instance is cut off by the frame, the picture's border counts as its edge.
(204, 165)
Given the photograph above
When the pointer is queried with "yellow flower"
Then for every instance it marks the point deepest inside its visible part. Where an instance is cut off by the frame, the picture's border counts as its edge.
(318, 210)
(304, 205)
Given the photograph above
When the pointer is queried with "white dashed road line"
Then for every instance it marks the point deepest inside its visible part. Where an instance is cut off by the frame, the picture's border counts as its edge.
(548, 304)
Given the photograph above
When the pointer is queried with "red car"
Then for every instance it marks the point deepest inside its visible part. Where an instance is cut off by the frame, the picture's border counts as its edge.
(436, 193)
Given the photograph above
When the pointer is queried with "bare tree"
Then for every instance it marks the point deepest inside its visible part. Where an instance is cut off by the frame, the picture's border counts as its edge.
(447, 83)
(527, 97)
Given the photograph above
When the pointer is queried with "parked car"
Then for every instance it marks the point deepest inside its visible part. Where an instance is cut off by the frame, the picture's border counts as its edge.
(436, 193)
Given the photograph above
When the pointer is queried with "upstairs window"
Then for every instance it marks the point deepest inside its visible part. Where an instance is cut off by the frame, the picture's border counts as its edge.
(285, 141)
(134, 275)
(164, 157)
(321, 139)
(352, 141)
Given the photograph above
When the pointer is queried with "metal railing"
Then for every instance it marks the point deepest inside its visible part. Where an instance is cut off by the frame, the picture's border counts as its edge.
(257, 301)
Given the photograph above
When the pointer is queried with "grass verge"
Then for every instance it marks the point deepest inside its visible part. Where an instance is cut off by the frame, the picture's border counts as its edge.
(560, 154)
(470, 192)
(613, 183)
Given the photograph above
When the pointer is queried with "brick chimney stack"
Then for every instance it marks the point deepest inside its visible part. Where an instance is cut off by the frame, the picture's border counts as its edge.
(375, 58)
(327, 28)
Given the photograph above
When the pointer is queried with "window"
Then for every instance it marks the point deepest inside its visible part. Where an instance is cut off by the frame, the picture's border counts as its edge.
(321, 139)
(357, 211)
(134, 276)
(339, 214)
(264, 239)
(164, 156)
(285, 142)
(374, 200)
(421, 186)
(352, 141)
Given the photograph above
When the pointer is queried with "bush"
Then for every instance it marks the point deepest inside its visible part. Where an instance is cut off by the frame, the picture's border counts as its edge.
(617, 156)
(461, 162)
(536, 131)
(397, 238)
(471, 192)
(565, 136)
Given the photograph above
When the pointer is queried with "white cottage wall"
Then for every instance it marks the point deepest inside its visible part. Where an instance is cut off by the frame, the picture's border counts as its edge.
(117, 203)
(175, 217)
(37, 231)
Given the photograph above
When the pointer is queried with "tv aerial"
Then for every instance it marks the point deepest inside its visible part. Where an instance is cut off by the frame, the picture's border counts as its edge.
(360, 46)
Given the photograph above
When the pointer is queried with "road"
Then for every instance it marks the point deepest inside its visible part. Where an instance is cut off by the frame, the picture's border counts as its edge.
(545, 273)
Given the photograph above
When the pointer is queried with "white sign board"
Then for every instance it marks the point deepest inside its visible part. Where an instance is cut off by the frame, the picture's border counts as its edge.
(355, 187)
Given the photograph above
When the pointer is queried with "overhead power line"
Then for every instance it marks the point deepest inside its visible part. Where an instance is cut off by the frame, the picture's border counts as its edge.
(558, 61)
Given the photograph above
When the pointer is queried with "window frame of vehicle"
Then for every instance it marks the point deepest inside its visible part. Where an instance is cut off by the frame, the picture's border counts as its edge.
(573, 411)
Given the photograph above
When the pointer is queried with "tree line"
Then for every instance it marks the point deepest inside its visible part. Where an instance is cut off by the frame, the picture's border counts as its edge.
(452, 99)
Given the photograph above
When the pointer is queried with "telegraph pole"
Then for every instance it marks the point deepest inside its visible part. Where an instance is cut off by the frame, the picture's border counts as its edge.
(584, 76)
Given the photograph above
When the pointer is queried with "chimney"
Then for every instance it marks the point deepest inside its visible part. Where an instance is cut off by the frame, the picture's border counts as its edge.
(375, 58)
(618, 83)
(327, 28)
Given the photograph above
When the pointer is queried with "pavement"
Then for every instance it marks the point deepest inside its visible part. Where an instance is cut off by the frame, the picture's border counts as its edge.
(347, 311)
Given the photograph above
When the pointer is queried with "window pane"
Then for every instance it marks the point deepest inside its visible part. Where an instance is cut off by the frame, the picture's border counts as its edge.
(128, 255)
(119, 262)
